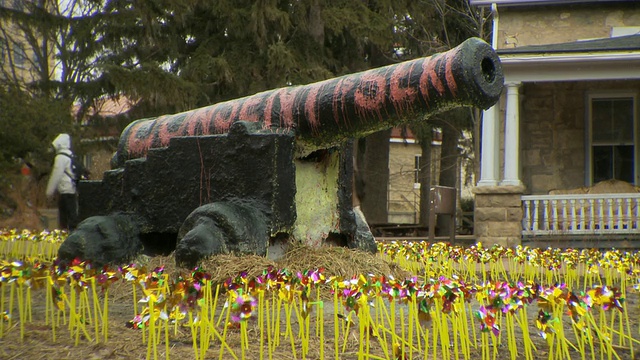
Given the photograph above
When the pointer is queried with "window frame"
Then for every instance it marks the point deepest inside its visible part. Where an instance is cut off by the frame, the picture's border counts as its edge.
(613, 94)
(18, 5)
(20, 58)
(4, 51)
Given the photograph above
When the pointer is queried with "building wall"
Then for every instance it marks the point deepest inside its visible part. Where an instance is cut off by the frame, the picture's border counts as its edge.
(16, 54)
(99, 162)
(539, 25)
(404, 193)
(403, 196)
(553, 119)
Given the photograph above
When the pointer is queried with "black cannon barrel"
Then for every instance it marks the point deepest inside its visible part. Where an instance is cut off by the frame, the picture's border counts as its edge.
(325, 113)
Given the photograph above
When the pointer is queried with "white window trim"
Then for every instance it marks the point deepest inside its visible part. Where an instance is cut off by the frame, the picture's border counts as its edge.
(588, 121)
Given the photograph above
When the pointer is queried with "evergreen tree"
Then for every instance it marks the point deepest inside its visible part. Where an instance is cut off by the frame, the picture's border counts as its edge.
(186, 54)
(169, 56)
(177, 55)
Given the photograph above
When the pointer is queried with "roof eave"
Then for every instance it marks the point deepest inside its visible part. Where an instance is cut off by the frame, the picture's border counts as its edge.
(535, 2)
(571, 66)
(569, 57)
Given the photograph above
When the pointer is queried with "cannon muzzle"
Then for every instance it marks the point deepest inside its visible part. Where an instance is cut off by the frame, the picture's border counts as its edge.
(326, 113)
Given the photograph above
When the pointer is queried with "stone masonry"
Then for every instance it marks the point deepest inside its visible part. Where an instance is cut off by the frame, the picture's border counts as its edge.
(498, 215)
(537, 25)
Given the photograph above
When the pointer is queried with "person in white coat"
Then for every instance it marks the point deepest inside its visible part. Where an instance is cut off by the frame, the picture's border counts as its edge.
(62, 182)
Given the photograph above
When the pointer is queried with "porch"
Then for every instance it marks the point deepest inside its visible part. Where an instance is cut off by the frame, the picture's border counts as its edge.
(568, 119)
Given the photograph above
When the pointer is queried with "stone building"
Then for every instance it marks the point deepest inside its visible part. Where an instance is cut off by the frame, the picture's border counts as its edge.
(405, 161)
(566, 126)
(18, 57)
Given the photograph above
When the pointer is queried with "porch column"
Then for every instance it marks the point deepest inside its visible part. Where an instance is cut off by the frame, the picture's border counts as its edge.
(489, 158)
(512, 136)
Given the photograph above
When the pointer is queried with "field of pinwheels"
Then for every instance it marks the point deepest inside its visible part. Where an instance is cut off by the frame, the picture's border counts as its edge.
(413, 300)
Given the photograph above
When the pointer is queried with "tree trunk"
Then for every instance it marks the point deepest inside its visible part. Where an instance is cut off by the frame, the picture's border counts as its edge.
(316, 23)
(372, 176)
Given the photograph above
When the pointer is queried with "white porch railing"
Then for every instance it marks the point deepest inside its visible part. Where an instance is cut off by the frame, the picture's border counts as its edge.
(583, 214)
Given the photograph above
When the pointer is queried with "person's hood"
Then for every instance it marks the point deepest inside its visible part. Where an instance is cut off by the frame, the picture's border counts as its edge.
(62, 142)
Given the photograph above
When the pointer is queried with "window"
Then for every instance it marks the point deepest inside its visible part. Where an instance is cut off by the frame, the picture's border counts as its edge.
(3, 51)
(613, 138)
(416, 171)
(19, 55)
(18, 5)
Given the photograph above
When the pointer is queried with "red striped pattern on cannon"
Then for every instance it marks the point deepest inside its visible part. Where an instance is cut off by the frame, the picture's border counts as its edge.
(325, 113)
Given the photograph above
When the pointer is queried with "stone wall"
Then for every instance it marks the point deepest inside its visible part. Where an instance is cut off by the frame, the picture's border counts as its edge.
(553, 124)
(539, 25)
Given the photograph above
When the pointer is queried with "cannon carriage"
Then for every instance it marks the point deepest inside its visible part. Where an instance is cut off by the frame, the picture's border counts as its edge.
(239, 175)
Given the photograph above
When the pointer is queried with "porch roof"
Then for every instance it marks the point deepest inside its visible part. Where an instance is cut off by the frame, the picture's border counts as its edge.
(535, 2)
(620, 43)
(600, 59)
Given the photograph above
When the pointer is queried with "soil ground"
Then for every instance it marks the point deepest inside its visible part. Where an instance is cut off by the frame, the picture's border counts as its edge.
(39, 342)
(125, 343)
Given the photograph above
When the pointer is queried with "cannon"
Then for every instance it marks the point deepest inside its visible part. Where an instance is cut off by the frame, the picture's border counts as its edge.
(237, 176)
